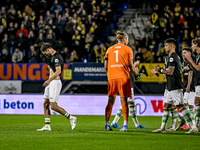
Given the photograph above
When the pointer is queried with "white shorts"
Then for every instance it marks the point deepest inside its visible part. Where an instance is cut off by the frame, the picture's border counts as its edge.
(174, 97)
(130, 100)
(197, 91)
(165, 95)
(52, 91)
(188, 98)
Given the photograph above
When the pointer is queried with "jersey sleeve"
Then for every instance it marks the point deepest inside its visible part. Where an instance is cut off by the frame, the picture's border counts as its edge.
(57, 62)
(171, 61)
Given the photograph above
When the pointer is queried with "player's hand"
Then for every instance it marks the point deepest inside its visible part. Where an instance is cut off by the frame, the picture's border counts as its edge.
(46, 83)
(158, 68)
(154, 71)
(139, 76)
(188, 58)
(188, 89)
(164, 76)
(136, 63)
(186, 68)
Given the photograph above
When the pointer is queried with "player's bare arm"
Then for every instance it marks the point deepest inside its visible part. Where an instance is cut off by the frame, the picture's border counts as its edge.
(133, 68)
(158, 69)
(52, 77)
(193, 65)
(106, 65)
(190, 75)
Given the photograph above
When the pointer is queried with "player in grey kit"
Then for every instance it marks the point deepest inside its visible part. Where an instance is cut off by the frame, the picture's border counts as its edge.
(53, 86)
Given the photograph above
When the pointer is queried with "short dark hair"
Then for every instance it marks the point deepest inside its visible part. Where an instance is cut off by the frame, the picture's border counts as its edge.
(170, 40)
(196, 41)
(187, 49)
(45, 46)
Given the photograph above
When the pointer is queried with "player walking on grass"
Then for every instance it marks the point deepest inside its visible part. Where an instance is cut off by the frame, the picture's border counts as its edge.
(53, 86)
(196, 67)
(131, 104)
(118, 61)
(174, 96)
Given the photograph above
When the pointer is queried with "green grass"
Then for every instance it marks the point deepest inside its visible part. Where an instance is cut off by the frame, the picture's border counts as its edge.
(19, 132)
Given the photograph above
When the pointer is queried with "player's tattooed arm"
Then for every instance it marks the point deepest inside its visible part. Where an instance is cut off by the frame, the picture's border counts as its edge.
(170, 70)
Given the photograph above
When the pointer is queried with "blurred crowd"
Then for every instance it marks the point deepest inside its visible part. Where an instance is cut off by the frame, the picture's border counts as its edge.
(169, 19)
(78, 29)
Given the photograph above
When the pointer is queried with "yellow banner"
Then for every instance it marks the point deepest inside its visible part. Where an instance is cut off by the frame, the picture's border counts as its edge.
(67, 74)
(145, 68)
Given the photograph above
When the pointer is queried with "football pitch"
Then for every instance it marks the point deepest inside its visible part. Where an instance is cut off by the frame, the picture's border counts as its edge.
(19, 132)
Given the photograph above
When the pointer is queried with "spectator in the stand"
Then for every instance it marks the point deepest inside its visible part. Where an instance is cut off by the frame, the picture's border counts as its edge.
(66, 55)
(27, 22)
(31, 38)
(197, 34)
(17, 56)
(83, 16)
(148, 27)
(5, 42)
(139, 55)
(22, 43)
(59, 23)
(103, 52)
(160, 53)
(181, 21)
(137, 43)
(50, 37)
(12, 16)
(4, 56)
(146, 41)
(93, 28)
(177, 10)
(28, 10)
(74, 57)
(76, 40)
(32, 56)
(147, 55)
(186, 37)
(59, 45)
(39, 41)
(56, 6)
(95, 54)
(23, 30)
(11, 30)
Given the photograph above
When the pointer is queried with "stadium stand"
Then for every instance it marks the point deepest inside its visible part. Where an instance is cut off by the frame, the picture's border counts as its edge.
(77, 25)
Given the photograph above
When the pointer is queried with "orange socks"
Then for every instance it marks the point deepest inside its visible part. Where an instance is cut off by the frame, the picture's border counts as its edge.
(125, 110)
(108, 111)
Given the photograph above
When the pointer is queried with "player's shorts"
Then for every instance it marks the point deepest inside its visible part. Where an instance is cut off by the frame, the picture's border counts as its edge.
(52, 91)
(197, 91)
(188, 98)
(123, 86)
(165, 95)
(174, 97)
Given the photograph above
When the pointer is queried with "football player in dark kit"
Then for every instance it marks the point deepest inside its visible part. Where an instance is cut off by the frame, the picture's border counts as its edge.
(174, 96)
(196, 67)
(53, 86)
(189, 86)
